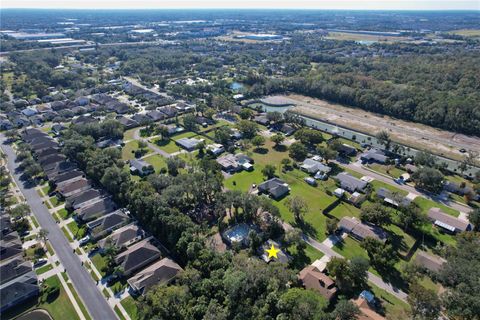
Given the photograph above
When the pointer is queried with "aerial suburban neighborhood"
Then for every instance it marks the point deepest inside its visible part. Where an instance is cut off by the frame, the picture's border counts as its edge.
(239, 165)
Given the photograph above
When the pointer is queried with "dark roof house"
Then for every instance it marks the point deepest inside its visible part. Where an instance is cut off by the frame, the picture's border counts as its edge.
(123, 237)
(361, 230)
(138, 256)
(275, 188)
(313, 279)
(350, 183)
(109, 222)
(447, 222)
(161, 272)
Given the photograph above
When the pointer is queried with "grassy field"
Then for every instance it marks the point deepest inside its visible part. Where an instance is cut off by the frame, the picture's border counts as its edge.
(129, 149)
(157, 161)
(130, 307)
(128, 135)
(426, 204)
(394, 307)
(391, 171)
(467, 32)
(63, 213)
(168, 146)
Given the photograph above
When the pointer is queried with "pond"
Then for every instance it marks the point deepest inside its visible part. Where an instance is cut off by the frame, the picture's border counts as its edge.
(237, 86)
(37, 314)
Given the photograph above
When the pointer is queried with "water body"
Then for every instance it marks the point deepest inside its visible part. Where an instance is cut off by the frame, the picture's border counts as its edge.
(35, 315)
(359, 137)
(237, 86)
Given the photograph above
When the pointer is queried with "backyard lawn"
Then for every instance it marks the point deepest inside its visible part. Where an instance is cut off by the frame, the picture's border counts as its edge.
(129, 149)
(99, 263)
(426, 204)
(157, 161)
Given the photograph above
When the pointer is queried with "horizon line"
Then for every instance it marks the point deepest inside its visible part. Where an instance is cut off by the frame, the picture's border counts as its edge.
(227, 8)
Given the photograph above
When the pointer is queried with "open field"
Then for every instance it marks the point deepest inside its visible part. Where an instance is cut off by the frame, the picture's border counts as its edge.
(415, 135)
(344, 36)
(475, 33)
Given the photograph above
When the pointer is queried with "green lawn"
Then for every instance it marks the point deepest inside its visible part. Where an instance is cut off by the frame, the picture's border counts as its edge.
(43, 269)
(426, 204)
(157, 161)
(73, 226)
(345, 210)
(67, 235)
(99, 263)
(130, 307)
(63, 213)
(46, 189)
(389, 170)
(128, 135)
(394, 307)
(379, 184)
(400, 239)
(34, 221)
(129, 149)
(55, 202)
(168, 146)
(119, 313)
(350, 248)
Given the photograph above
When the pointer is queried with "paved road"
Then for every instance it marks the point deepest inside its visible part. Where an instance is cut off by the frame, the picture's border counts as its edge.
(360, 169)
(136, 136)
(376, 280)
(85, 286)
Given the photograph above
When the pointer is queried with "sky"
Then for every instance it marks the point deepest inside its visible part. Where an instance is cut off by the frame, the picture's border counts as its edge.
(231, 4)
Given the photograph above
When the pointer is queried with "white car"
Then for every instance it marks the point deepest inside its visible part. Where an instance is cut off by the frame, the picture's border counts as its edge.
(84, 240)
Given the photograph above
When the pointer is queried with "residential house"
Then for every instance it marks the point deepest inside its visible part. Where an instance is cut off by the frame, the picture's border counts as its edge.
(161, 272)
(229, 163)
(29, 112)
(108, 143)
(361, 230)
(428, 261)
(84, 198)
(72, 188)
(156, 115)
(123, 237)
(346, 150)
(261, 119)
(127, 122)
(56, 169)
(313, 166)
(392, 199)
(18, 290)
(274, 187)
(84, 120)
(188, 144)
(95, 210)
(216, 149)
(10, 249)
(138, 256)
(13, 268)
(447, 222)
(141, 119)
(411, 168)
(57, 129)
(366, 311)
(67, 177)
(374, 155)
(49, 159)
(141, 167)
(350, 183)
(313, 279)
(106, 224)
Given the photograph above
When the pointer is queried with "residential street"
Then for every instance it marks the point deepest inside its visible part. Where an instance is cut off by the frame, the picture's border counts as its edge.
(82, 280)
(360, 169)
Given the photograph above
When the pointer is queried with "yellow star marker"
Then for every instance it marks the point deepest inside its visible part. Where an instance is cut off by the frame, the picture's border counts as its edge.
(272, 252)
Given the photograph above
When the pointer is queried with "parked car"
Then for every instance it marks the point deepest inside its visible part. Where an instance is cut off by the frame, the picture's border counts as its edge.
(311, 181)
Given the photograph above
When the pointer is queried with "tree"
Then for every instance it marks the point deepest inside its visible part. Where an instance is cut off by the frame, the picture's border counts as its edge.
(167, 302)
(20, 211)
(428, 179)
(163, 131)
(190, 122)
(298, 151)
(142, 144)
(346, 310)
(258, 141)
(327, 153)
(173, 164)
(474, 218)
(300, 304)
(245, 113)
(42, 235)
(376, 213)
(424, 302)
(223, 135)
(351, 275)
(209, 113)
(274, 116)
(254, 241)
(459, 275)
(410, 216)
(247, 128)
(331, 226)
(425, 159)
(269, 171)
(286, 163)
(309, 136)
(277, 139)
(384, 139)
(298, 207)
(382, 256)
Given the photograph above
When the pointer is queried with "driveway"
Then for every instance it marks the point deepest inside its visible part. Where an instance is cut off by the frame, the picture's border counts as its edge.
(85, 286)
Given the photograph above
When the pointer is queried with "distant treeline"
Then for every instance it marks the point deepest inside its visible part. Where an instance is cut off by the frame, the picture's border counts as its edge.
(441, 91)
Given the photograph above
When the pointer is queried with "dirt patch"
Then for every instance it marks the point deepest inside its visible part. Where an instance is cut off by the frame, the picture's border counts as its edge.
(416, 135)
